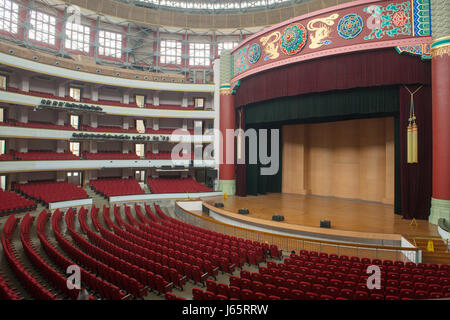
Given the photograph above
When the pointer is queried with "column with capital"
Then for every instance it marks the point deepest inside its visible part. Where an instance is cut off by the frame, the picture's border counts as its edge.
(227, 181)
(440, 48)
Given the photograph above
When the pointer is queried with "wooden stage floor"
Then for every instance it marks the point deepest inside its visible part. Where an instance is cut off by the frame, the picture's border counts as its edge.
(349, 215)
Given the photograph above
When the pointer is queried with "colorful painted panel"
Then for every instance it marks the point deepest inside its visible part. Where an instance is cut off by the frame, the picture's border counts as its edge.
(254, 53)
(421, 17)
(391, 20)
(422, 50)
(293, 39)
(362, 25)
(350, 26)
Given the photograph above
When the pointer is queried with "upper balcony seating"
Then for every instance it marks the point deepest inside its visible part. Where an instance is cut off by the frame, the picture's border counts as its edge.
(167, 156)
(169, 131)
(108, 129)
(37, 124)
(110, 187)
(176, 185)
(51, 191)
(45, 155)
(12, 202)
(6, 157)
(110, 156)
(99, 102)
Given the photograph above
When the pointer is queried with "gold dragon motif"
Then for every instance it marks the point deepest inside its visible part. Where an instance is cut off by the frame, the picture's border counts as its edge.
(320, 31)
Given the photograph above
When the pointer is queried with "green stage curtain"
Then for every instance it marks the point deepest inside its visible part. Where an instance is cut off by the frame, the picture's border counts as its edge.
(325, 107)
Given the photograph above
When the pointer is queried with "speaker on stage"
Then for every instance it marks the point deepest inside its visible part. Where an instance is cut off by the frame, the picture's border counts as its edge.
(218, 205)
(243, 211)
(325, 224)
(278, 217)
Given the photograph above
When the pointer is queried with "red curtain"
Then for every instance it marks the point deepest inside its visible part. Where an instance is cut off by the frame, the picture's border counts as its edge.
(346, 71)
(416, 179)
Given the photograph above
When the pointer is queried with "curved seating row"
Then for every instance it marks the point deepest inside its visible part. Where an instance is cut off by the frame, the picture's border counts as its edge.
(176, 185)
(11, 202)
(51, 191)
(110, 187)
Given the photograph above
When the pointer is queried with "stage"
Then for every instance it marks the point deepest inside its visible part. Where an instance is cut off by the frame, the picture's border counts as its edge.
(345, 215)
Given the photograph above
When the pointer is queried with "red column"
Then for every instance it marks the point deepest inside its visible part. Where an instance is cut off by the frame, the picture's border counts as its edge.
(227, 121)
(441, 125)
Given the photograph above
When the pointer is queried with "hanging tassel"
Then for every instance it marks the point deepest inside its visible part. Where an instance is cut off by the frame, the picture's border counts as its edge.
(412, 132)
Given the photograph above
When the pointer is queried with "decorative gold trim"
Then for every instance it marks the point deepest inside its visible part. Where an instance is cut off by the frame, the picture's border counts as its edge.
(226, 91)
(441, 51)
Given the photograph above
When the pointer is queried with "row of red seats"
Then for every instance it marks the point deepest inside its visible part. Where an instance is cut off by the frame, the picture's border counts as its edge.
(194, 269)
(110, 156)
(168, 156)
(147, 271)
(51, 191)
(176, 185)
(37, 124)
(110, 187)
(107, 272)
(11, 202)
(98, 285)
(213, 238)
(121, 272)
(33, 285)
(7, 292)
(6, 157)
(225, 257)
(44, 155)
(51, 274)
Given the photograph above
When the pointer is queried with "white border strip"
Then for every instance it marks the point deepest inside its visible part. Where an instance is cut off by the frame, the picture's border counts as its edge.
(163, 196)
(71, 203)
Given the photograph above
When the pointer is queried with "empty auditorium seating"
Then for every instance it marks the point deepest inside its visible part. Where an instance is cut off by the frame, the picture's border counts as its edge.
(45, 155)
(11, 202)
(110, 156)
(6, 157)
(176, 185)
(110, 187)
(35, 288)
(51, 191)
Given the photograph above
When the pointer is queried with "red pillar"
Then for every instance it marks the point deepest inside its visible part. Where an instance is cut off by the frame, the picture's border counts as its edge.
(440, 202)
(441, 126)
(227, 121)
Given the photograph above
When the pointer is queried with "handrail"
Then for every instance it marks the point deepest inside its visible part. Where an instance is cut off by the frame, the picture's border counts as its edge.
(336, 243)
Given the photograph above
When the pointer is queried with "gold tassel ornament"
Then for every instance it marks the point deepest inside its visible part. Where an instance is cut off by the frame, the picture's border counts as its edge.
(412, 131)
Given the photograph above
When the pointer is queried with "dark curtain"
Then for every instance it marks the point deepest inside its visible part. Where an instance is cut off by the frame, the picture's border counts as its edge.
(416, 179)
(256, 182)
(362, 69)
(241, 189)
(325, 107)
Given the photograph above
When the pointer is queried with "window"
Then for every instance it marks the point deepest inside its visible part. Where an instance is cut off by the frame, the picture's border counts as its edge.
(140, 101)
(77, 37)
(2, 115)
(140, 127)
(3, 81)
(199, 103)
(2, 147)
(72, 174)
(9, 16)
(75, 93)
(74, 121)
(227, 45)
(199, 54)
(140, 149)
(170, 52)
(110, 44)
(43, 27)
(75, 148)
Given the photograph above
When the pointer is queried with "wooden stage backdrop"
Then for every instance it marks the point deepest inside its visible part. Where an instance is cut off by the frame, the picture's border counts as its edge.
(352, 159)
